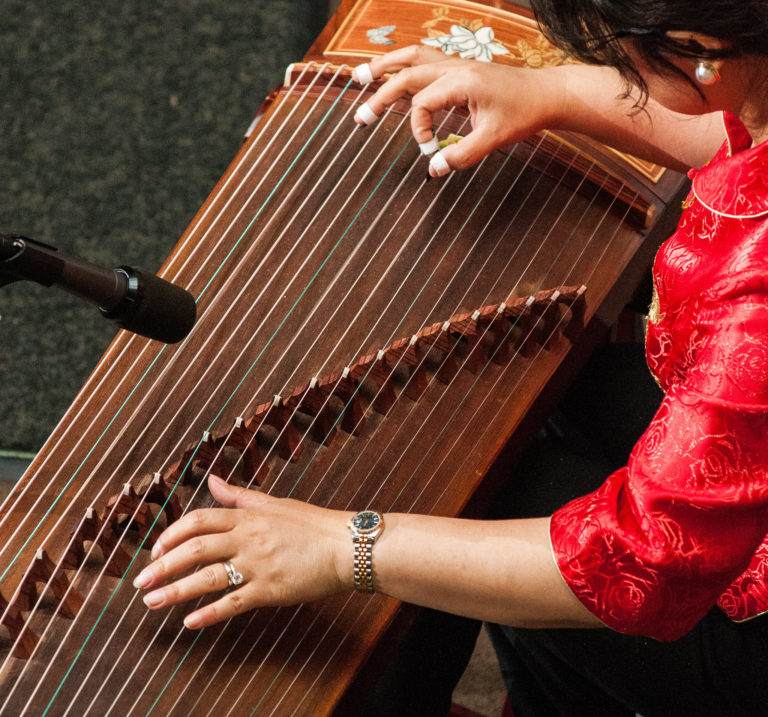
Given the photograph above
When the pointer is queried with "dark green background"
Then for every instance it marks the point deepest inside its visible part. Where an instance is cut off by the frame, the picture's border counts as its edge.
(116, 120)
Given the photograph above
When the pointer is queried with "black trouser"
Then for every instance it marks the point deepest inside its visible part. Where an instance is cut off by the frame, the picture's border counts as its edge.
(720, 668)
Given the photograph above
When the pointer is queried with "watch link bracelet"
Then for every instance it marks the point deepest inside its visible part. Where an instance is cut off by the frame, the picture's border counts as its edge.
(365, 527)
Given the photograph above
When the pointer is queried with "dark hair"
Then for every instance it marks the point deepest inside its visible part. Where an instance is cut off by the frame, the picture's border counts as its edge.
(593, 30)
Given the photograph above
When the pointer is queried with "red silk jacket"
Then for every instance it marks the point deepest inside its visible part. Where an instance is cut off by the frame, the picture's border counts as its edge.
(683, 526)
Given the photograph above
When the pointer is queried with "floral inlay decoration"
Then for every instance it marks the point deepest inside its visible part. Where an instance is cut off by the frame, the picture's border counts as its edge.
(380, 35)
(471, 39)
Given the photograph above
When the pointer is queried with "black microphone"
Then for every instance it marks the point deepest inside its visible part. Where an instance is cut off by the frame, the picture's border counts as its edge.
(134, 298)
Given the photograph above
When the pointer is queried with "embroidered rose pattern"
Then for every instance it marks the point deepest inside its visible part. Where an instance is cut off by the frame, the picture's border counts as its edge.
(683, 526)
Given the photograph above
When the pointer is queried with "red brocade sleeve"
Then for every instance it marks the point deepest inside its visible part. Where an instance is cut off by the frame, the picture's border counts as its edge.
(652, 550)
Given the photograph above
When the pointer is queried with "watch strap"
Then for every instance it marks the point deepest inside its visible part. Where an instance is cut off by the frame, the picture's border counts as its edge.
(363, 563)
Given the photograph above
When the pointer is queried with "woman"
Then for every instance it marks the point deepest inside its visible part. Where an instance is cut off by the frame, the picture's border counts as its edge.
(670, 547)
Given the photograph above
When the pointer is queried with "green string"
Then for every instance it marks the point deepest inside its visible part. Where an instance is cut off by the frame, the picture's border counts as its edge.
(252, 366)
(141, 544)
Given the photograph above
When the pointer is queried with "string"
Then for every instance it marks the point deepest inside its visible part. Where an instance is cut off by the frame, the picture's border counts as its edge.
(394, 258)
(488, 363)
(350, 502)
(383, 312)
(62, 518)
(44, 493)
(91, 392)
(552, 333)
(391, 263)
(461, 300)
(134, 556)
(459, 404)
(348, 438)
(501, 409)
(337, 100)
(329, 287)
(474, 383)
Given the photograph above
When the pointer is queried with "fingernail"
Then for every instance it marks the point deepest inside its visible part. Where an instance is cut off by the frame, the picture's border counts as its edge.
(365, 115)
(430, 147)
(363, 74)
(154, 599)
(143, 579)
(439, 165)
(192, 621)
(156, 551)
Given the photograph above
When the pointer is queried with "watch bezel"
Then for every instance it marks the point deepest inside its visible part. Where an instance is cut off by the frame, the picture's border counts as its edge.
(366, 513)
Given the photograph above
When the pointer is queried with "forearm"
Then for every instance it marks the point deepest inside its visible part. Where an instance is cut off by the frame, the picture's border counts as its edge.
(590, 103)
(507, 104)
(500, 571)
(493, 570)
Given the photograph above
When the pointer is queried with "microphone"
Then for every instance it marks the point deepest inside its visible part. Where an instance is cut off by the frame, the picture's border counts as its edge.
(134, 298)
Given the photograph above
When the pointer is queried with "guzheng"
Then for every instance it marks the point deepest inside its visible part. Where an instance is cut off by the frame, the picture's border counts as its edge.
(366, 339)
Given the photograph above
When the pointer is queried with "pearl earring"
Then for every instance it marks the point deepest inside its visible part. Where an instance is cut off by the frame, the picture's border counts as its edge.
(707, 74)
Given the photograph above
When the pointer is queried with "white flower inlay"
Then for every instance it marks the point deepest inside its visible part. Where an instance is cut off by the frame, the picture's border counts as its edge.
(468, 44)
(379, 35)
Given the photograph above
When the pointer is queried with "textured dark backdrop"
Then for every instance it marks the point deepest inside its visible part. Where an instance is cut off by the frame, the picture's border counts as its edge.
(116, 119)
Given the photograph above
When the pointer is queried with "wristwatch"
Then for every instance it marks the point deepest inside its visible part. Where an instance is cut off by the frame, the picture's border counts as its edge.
(365, 527)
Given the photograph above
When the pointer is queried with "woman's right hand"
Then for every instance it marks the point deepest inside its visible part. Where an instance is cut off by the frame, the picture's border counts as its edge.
(505, 104)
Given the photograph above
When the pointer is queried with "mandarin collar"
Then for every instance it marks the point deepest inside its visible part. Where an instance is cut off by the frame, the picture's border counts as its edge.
(735, 182)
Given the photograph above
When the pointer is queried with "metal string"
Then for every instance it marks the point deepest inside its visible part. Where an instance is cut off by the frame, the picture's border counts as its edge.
(348, 437)
(287, 349)
(91, 391)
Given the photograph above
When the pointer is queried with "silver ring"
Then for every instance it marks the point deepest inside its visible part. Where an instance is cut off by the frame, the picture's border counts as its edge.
(233, 577)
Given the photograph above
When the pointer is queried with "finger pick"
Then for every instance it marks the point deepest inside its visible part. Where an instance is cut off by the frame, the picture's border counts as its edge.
(365, 115)
(439, 165)
(429, 147)
(363, 73)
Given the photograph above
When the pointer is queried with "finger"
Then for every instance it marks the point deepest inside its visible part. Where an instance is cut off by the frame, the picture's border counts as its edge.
(395, 61)
(234, 496)
(468, 151)
(197, 522)
(232, 604)
(408, 82)
(464, 153)
(441, 94)
(210, 578)
(197, 550)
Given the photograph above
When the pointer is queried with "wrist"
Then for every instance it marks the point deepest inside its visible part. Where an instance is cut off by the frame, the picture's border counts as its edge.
(552, 87)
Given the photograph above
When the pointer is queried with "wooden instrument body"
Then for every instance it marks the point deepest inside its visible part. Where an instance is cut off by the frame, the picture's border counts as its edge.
(320, 247)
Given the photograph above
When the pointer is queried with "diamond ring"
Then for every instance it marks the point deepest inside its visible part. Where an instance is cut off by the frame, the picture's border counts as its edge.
(233, 577)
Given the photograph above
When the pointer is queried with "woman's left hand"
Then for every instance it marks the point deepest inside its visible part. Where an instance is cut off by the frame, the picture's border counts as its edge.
(287, 552)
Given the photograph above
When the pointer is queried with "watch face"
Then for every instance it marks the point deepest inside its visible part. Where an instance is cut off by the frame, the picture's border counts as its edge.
(366, 521)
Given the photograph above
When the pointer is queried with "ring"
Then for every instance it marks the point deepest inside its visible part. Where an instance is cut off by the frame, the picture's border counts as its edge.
(233, 577)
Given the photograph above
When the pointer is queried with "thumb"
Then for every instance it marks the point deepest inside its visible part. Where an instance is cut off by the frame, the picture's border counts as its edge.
(233, 496)
(469, 150)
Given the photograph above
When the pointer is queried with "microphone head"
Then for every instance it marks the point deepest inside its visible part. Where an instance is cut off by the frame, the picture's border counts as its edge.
(153, 307)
